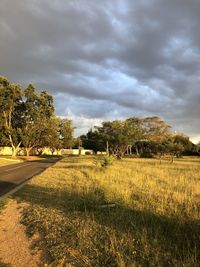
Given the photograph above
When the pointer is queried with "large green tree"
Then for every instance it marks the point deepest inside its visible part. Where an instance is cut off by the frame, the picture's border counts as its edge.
(38, 112)
(51, 136)
(115, 136)
(27, 119)
(12, 108)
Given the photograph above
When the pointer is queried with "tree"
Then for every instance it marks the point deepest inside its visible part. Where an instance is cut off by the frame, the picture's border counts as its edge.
(51, 137)
(93, 140)
(198, 148)
(12, 108)
(174, 149)
(38, 112)
(155, 129)
(184, 140)
(27, 119)
(66, 132)
(77, 142)
(118, 135)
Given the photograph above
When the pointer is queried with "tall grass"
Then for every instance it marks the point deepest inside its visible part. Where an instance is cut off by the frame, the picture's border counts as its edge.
(153, 219)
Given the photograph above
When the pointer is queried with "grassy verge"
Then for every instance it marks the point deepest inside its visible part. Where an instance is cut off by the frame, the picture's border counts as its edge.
(2, 204)
(135, 213)
(7, 161)
(4, 264)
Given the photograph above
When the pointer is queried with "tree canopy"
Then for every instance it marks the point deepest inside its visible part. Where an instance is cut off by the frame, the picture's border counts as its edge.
(27, 119)
(145, 136)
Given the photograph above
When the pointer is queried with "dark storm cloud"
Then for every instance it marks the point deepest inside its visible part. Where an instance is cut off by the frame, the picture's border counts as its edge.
(108, 59)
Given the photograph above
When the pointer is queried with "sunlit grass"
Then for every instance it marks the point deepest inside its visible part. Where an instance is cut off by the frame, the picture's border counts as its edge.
(154, 222)
(8, 161)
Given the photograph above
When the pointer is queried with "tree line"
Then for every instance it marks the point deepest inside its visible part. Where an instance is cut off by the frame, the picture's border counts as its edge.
(145, 137)
(27, 119)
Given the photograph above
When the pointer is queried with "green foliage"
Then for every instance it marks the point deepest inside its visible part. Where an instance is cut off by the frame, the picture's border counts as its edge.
(93, 140)
(105, 161)
(27, 119)
(2, 204)
(4, 264)
(38, 113)
(11, 106)
(118, 135)
(66, 132)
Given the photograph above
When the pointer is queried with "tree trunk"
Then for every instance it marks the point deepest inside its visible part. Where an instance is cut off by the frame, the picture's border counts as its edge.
(15, 150)
(28, 149)
(172, 159)
(137, 152)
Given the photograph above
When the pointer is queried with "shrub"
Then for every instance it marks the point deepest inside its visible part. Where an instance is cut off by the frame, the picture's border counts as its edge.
(105, 161)
(88, 153)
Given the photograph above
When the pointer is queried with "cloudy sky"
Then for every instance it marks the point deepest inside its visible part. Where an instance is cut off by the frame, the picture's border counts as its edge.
(106, 59)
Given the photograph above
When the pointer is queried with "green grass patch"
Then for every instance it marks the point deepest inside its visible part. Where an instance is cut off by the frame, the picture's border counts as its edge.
(4, 264)
(133, 213)
(2, 204)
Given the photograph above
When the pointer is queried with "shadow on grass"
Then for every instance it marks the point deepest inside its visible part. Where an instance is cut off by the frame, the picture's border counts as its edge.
(5, 187)
(180, 239)
(4, 264)
(76, 167)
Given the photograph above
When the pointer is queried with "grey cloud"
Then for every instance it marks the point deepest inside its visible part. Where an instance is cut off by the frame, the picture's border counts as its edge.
(107, 60)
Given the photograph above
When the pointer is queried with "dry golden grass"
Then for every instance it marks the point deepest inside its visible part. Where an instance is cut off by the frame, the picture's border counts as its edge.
(7, 161)
(154, 222)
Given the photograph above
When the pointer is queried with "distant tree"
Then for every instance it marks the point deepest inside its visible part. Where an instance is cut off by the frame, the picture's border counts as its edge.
(12, 108)
(146, 148)
(94, 140)
(119, 135)
(66, 133)
(155, 129)
(51, 138)
(174, 149)
(152, 131)
(198, 148)
(184, 140)
(77, 142)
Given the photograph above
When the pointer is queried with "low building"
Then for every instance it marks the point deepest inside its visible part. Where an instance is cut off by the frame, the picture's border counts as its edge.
(7, 151)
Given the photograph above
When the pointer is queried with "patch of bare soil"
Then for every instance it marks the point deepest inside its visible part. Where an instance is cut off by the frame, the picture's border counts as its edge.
(16, 248)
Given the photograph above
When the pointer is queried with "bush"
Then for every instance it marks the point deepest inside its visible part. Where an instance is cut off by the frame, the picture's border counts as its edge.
(88, 153)
(146, 154)
(105, 161)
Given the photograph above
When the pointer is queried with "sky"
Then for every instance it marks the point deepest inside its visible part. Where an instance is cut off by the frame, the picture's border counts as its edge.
(106, 60)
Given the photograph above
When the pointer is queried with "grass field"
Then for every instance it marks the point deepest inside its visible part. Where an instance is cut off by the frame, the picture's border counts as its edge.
(134, 213)
(2, 204)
